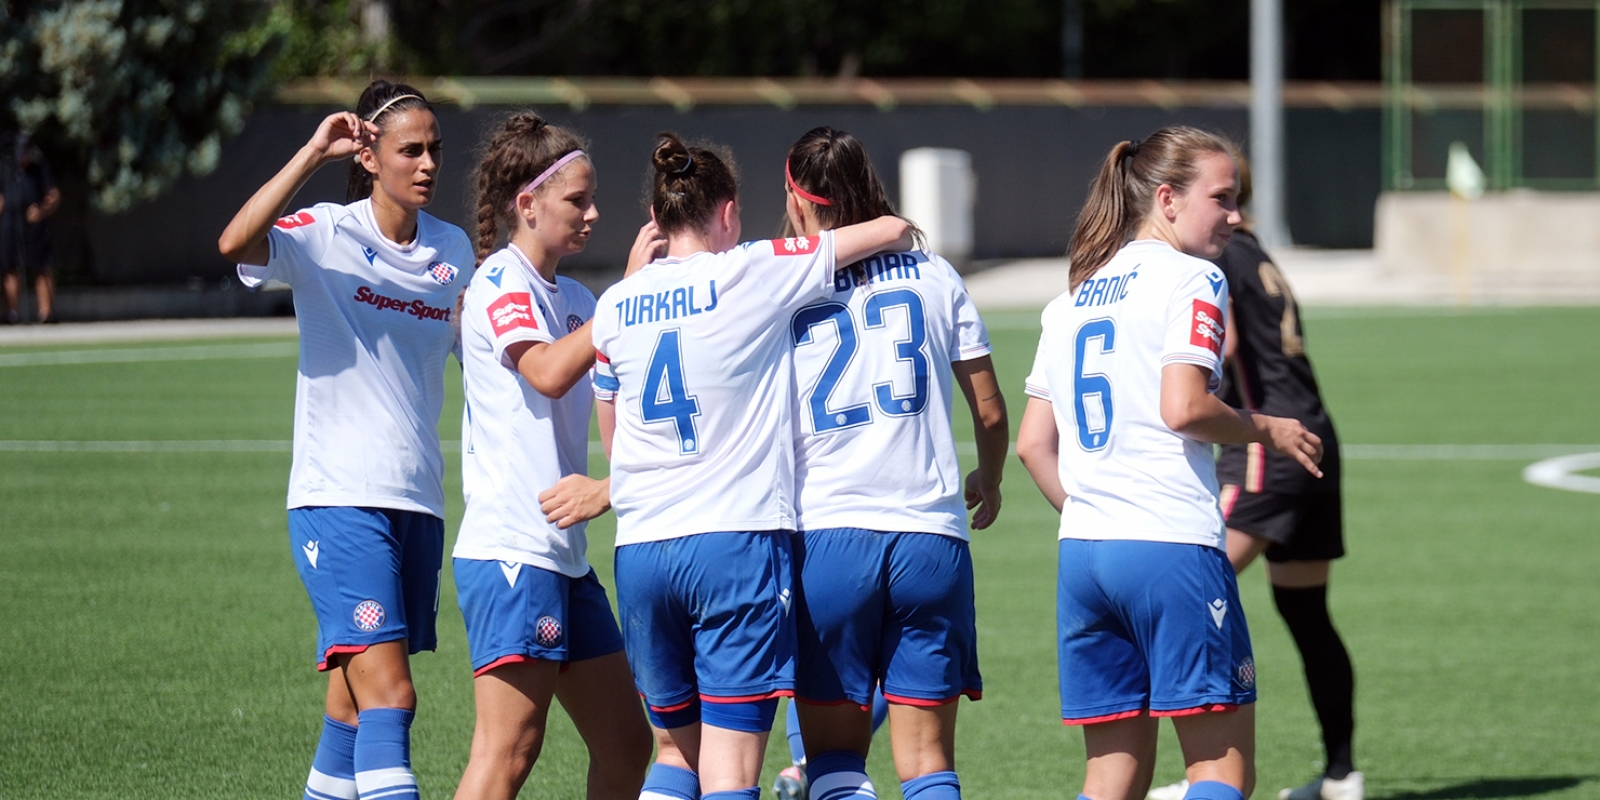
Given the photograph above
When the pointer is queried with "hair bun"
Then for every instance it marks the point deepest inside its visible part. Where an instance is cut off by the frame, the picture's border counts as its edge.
(525, 123)
(671, 156)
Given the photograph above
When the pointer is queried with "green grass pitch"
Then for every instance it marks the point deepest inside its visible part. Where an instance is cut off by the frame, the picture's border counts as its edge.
(157, 643)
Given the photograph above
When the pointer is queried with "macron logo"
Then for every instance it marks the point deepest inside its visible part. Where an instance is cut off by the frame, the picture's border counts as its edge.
(311, 553)
(1219, 609)
(1216, 283)
(511, 571)
(784, 597)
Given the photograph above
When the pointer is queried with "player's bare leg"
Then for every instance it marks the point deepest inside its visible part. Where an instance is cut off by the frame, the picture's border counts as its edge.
(340, 704)
(512, 703)
(598, 694)
(1122, 758)
(380, 677)
(1244, 549)
(730, 760)
(44, 292)
(835, 727)
(924, 739)
(1220, 746)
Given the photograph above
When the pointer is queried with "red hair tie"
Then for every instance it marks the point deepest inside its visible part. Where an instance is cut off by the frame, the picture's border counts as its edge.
(821, 201)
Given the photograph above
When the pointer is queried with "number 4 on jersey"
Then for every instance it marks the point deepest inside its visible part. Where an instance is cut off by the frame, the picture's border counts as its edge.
(664, 398)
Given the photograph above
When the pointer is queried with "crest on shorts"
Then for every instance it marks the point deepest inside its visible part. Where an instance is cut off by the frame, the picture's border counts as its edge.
(1247, 673)
(547, 631)
(442, 273)
(574, 322)
(369, 615)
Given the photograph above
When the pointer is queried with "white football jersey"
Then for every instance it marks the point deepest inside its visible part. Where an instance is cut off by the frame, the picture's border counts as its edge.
(516, 442)
(375, 328)
(1127, 475)
(873, 446)
(696, 355)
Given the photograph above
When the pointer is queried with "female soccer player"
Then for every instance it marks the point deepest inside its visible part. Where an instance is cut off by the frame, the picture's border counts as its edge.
(1116, 435)
(538, 621)
(375, 284)
(886, 588)
(695, 382)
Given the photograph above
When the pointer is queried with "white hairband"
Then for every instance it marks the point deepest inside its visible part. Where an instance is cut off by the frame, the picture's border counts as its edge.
(553, 168)
(385, 107)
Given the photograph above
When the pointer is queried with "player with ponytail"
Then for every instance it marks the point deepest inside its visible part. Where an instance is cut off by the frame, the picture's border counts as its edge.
(538, 623)
(695, 385)
(886, 584)
(375, 287)
(1117, 434)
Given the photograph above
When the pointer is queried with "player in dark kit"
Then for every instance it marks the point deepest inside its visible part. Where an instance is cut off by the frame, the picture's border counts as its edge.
(1273, 506)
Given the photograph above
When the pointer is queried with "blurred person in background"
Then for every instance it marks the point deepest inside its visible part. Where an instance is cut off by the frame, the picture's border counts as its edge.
(30, 197)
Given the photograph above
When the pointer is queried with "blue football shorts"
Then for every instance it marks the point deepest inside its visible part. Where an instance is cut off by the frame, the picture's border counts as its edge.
(519, 612)
(372, 574)
(1149, 626)
(708, 616)
(889, 608)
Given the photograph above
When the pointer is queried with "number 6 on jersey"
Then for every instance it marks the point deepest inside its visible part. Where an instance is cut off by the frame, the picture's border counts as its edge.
(664, 398)
(1091, 391)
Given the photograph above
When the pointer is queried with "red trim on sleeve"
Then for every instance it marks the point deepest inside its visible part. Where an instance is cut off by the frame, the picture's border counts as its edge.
(795, 246)
(1102, 718)
(514, 658)
(601, 357)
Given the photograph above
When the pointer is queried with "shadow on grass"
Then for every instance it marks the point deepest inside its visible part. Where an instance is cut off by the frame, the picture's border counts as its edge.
(1486, 788)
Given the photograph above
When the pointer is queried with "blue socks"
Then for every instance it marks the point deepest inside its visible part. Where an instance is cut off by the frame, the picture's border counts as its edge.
(333, 770)
(383, 755)
(932, 786)
(1212, 790)
(839, 775)
(666, 782)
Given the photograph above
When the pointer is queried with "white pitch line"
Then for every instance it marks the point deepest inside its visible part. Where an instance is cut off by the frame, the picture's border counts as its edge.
(1360, 452)
(141, 354)
(1556, 473)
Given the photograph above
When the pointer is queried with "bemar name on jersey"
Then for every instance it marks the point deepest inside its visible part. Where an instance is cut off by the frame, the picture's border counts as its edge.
(667, 304)
(415, 308)
(876, 269)
(1101, 291)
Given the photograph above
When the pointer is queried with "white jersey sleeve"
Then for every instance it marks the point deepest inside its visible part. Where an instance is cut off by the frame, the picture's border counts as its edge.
(971, 335)
(695, 355)
(1196, 321)
(297, 244)
(509, 308)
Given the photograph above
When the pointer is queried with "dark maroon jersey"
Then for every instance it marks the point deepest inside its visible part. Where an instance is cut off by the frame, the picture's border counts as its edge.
(1269, 373)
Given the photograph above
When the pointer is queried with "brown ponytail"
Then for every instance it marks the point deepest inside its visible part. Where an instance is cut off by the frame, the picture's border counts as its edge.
(374, 107)
(833, 165)
(522, 148)
(688, 182)
(1125, 188)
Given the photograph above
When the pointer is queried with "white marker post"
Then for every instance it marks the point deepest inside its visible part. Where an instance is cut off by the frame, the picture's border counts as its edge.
(937, 191)
(1466, 181)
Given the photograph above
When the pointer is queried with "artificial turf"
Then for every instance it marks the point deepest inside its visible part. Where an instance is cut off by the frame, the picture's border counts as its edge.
(158, 643)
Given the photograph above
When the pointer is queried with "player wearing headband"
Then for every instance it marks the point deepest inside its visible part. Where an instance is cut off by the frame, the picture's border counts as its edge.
(694, 379)
(375, 285)
(539, 625)
(886, 585)
(1117, 435)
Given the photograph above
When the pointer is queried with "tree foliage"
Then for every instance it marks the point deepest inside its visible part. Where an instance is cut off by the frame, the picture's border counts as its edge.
(132, 94)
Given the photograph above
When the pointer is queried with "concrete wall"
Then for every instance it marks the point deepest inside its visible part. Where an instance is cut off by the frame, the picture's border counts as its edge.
(1033, 163)
(1503, 245)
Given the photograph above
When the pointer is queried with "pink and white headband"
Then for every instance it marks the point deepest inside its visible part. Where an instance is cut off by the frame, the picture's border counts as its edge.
(553, 169)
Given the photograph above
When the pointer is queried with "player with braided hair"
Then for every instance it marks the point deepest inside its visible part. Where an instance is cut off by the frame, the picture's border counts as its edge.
(375, 285)
(695, 383)
(539, 625)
